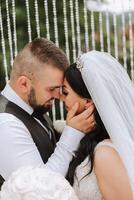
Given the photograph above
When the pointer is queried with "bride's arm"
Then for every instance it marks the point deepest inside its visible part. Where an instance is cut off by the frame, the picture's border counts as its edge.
(111, 175)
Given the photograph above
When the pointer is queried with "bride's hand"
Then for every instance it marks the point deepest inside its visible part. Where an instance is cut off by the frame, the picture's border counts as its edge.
(83, 122)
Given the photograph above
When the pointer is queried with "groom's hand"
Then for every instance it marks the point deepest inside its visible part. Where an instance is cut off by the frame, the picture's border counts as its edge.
(84, 122)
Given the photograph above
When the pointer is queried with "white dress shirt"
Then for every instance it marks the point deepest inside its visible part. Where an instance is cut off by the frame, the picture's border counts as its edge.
(17, 148)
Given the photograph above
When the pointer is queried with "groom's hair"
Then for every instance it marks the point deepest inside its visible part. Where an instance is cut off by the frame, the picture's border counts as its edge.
(32, 57)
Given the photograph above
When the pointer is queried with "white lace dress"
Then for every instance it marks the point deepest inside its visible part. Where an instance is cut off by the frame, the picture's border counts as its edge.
(87, 188)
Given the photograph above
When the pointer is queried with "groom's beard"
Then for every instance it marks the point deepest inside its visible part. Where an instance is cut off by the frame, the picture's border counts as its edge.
(41, 109)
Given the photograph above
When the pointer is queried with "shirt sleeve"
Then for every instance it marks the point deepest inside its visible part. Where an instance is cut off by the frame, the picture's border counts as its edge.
(17, 148)
(68, 143)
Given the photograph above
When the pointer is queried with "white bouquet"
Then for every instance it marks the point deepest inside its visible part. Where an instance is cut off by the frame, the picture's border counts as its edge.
(30, 183)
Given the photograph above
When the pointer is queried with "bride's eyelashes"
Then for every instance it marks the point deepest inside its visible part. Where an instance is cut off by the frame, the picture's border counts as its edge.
(64, 92)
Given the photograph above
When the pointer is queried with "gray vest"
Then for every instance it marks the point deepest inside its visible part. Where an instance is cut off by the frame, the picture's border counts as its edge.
(38, 133)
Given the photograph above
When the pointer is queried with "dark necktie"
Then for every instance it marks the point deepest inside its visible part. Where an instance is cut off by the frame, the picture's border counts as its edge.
(46, 125)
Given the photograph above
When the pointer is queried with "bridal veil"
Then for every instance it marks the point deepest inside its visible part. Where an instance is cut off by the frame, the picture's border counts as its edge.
(113, 94)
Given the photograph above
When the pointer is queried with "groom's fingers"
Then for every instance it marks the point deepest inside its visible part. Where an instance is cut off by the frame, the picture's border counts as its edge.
(88, 104)
(73, 111)
(87, 120)
(84, 121)
(87, 113)
(90, 124)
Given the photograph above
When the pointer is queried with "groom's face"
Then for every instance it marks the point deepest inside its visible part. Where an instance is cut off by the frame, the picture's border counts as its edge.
(45, 88)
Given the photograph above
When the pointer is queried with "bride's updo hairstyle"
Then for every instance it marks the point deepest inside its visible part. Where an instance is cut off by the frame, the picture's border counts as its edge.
(89, 142)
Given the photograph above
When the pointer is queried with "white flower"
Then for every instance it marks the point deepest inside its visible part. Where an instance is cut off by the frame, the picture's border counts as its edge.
(59, 125)
(30, 183)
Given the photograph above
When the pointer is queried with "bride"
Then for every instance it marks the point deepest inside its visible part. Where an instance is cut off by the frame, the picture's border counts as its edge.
(103, 166)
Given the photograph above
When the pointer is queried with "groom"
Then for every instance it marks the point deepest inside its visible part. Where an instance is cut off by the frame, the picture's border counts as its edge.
(26, 137)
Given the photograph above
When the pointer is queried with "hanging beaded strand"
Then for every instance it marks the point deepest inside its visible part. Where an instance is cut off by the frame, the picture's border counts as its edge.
(131, 40)
(3, 47)
(86, 26)
(28, 20)
(9, 33)
(14, 28)
(47, 19)
(92, 30)
(55, 23)
(66, 29)
(101, 29)
(73, 30)
(57, 44)
(124, 38)
(37, 18)
(115, 34)
(108, 32)
(47, 23)
(78, 26)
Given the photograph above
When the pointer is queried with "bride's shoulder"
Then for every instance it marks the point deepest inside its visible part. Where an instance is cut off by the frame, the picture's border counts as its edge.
(111, 172)
(105, 143)
(106, 155)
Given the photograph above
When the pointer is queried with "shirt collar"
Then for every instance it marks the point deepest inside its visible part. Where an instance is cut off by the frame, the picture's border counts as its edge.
(12, 96)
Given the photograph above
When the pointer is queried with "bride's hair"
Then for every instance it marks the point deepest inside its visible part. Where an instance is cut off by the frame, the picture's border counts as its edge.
(89, 142)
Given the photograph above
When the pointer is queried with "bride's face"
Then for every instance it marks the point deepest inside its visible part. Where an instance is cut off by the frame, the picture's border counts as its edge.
(70, 97)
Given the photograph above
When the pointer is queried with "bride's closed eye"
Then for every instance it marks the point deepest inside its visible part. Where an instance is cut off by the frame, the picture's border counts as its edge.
(64, 92)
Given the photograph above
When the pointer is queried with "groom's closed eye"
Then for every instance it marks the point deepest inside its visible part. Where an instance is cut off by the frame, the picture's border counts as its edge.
(55, 91)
